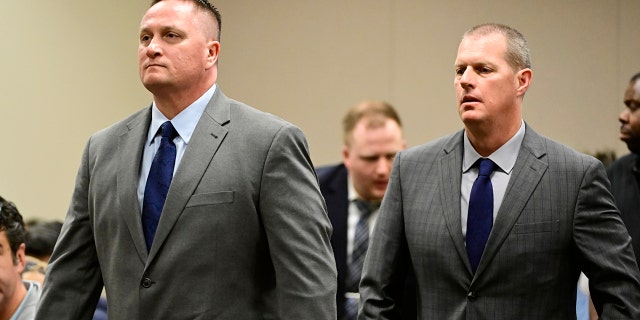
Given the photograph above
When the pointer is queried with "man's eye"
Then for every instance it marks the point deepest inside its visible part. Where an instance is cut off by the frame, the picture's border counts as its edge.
(633, 106)
(145, 38)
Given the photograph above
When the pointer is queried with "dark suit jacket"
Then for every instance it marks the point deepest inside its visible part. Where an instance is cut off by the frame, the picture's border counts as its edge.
(334, 187)
(244, 232)
(557, 218)
(624, 174)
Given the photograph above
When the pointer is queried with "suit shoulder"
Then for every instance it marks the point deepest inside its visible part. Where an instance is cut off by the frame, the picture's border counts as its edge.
(259, 130)
(433, 148)
(258, 119)
(330, 172)
(559, 149)
(121, 126)
(559, 157)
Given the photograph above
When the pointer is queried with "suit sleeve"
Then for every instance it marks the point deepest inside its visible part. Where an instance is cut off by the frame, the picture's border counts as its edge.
(73, 282)
(604, 247)
(298, 230)
(387, 256)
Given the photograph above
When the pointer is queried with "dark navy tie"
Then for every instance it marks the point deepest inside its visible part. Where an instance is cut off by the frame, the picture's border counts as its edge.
(360, 246)
(480, 215)
(158, 182)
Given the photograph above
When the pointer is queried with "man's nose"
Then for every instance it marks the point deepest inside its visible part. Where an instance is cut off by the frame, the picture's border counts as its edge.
(467, 77)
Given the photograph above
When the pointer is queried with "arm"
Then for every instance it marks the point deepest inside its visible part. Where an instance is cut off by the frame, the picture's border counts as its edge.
(604, 249)
(387, 257)
(298, 230)
(73, 282)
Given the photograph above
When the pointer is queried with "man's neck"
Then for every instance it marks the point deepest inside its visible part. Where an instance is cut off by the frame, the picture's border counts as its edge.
(171, 101)
(487, 140)
(10, 304)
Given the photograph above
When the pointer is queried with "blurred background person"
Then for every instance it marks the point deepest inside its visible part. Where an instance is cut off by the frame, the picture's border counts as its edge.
(40, 239)
(624, 173)
(353, 190)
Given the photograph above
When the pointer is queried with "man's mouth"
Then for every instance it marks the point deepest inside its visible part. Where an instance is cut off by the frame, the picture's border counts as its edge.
(469, 98)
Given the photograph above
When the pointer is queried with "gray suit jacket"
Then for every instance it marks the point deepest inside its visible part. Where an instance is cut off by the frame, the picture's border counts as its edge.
(557, 218)
(244, 232)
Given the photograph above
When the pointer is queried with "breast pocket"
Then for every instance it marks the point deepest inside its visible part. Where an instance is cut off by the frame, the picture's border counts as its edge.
(204, 199)
(537, 227)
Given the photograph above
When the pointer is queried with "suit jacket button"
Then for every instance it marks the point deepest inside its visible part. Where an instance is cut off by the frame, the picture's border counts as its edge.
(471, 295)
(146, 282)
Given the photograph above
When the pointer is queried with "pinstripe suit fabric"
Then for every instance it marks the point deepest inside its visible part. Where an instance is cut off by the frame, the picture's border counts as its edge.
(557, 218)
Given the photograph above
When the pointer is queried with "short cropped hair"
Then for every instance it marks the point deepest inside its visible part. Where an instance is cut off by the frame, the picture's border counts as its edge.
(376, 112)
(518, 55)
(204, 5)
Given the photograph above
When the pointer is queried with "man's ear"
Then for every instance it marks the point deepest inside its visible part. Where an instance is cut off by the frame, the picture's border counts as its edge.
(345, 157)
(21, 259)
(213, 53)
(524, 80)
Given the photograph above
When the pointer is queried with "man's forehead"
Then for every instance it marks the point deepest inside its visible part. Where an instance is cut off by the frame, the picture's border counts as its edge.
(632, 92)
(476, 47)
(490, 39)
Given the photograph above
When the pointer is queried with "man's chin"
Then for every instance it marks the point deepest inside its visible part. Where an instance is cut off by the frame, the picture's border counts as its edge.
(378, 196)
(154, 84)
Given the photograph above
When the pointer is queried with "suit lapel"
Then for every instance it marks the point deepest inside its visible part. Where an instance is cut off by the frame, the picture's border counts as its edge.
(337, 201)
(205, 141)
(130, 146)
(527, 172)
(450, 179)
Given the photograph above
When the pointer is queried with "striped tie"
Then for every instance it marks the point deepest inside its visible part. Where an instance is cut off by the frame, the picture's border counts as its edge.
(360, 245)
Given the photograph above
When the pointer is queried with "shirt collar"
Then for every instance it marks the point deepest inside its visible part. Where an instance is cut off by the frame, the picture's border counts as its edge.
(505, 157)
(185, 122)
(352, 194)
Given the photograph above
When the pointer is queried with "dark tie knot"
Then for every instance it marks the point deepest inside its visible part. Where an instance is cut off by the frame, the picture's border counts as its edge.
(485, 166)
(367, 207)
(168, 131)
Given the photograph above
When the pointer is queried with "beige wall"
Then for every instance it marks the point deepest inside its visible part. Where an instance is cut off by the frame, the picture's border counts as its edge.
(69, 69)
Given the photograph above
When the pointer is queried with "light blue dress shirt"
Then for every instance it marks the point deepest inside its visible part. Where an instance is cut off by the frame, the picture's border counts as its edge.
(27, 308)
(505, 158)
(184, 123)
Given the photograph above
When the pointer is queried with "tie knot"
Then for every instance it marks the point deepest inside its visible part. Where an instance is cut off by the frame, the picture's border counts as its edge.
(367, 207)
(486, 166)
(168, 131)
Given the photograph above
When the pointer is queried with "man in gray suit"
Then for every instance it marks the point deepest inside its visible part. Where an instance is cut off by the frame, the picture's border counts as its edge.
(243, 232)
(550, 214)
